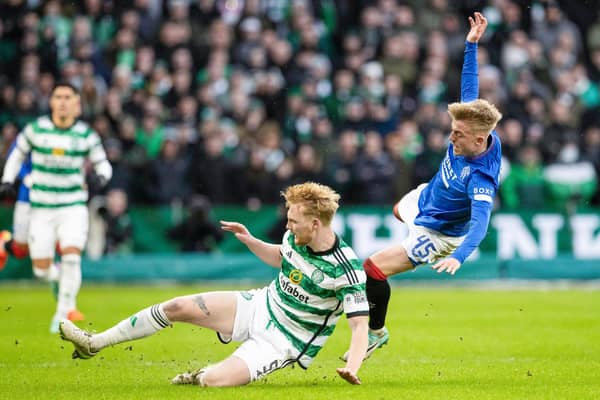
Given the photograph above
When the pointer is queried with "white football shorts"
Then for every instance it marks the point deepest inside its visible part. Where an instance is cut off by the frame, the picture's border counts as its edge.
(422, 244)
(264, 349)
(66, 225)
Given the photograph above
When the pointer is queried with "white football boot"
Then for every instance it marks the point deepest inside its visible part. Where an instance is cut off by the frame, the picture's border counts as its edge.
(81, 339)
(189, 378)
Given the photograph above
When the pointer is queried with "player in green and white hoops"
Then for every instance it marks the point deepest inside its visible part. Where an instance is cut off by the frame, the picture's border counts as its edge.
(59, 145)
(284, 323)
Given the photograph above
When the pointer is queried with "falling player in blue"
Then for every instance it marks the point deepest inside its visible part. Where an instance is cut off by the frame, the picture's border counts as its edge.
(448, 217)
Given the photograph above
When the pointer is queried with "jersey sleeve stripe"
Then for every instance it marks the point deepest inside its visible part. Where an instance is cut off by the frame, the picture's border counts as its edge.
(349, 264)
(344, 268)
(357, 314)
(483, 197)
(345, 264)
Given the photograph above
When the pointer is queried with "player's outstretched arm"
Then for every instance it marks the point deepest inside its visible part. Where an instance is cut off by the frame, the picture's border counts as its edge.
(469, 86)
(478, 25)
(267, 252)
(359, 326)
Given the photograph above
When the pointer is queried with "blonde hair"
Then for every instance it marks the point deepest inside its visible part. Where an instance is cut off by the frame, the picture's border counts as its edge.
(480, 114)
(319, 200)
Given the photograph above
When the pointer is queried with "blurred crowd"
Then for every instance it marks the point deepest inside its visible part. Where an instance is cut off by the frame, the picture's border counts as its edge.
(235, 99)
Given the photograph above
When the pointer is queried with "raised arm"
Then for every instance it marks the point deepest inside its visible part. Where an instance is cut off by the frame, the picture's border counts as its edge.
(267, 252)
(469, 78)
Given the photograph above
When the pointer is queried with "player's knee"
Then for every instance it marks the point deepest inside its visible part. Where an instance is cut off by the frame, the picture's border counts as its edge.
(373, 270)
(41, 263)
(212, 377)
(175, 309)
(396, 212)
(70, 250)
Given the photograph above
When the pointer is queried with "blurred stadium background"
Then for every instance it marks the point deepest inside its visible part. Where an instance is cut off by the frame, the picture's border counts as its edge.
(208, 108)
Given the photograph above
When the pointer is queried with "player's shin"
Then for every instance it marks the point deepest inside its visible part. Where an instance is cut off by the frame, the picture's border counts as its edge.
(378, 294)
(50, 274)
(69, 283)
(144, 323)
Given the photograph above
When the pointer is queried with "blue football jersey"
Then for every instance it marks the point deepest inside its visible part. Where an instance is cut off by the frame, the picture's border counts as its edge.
(445, 203)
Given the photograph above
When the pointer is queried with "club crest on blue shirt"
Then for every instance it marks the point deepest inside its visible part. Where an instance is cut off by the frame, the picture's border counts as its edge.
(465, 172)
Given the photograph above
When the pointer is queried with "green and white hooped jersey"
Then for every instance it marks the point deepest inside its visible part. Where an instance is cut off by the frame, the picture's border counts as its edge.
(311, 292)
(57, 156)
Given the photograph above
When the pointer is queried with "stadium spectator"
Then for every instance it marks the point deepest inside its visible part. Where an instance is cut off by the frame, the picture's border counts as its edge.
(119, 228)
(374, 171)
(167, 174)
(571, 178)
(197, 232)
(429, 160)
(210, 156)
(339, 171)
(591, 153)
(524, 187)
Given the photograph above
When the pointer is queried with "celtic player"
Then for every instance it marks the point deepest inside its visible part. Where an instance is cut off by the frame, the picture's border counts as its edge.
(59, 146)
(284, 323)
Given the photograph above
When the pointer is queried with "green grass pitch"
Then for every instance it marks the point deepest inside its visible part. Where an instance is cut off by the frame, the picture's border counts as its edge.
(446, 343)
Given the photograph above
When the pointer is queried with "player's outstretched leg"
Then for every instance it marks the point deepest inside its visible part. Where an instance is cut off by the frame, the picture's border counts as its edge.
(81, 339)
(144, 323)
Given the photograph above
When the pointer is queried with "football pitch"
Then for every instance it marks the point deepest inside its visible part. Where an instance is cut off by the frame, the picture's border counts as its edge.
(446, 343)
